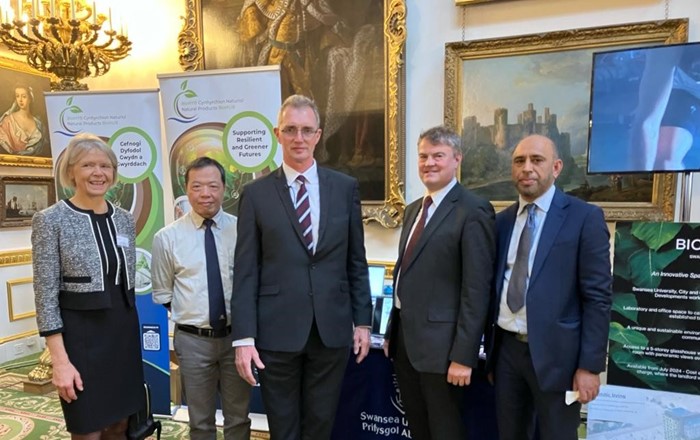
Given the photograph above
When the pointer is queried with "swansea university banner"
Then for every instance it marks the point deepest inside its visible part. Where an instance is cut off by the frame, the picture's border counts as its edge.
(227, 115)
(130, 123)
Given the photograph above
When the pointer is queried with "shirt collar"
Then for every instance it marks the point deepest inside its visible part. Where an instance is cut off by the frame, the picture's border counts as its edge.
(440, 194)
(198, 219)
(311, 174)
(544, 202)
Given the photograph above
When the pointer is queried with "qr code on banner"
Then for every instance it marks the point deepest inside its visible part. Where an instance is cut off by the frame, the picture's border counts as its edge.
(151, 341)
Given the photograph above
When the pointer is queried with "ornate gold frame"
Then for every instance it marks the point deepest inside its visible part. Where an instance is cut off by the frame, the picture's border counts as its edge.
(662, 204)
(18, 257)
(10, 302)
(17, 160)
(25, 220)
(474, 2)
(389, 212)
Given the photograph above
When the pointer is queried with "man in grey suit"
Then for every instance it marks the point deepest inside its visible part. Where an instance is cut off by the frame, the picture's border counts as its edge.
(442, 280)
(548, 331)
(301, 286)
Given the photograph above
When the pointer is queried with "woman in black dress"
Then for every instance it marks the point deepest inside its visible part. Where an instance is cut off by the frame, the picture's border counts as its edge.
(84, 269)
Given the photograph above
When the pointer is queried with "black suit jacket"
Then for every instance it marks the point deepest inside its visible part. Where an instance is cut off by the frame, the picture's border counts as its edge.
(279, 287)
(444, 288)
(569, 295)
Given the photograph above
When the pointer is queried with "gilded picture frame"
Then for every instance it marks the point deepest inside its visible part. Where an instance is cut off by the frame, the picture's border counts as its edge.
(26, 150)
(548, 73)
(475, 2)
(21, 197)
(369, 141)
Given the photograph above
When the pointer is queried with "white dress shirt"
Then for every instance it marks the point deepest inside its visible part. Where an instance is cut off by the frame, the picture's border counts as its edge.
(438, 196)
(311, 176)
(507, 320)
(179, 266)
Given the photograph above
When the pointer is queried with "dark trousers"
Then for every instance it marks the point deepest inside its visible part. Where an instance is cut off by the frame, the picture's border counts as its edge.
(433, 406)
(300, 390)
(521, 404)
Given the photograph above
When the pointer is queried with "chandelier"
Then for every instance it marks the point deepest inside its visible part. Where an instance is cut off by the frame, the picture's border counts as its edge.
(64, 38)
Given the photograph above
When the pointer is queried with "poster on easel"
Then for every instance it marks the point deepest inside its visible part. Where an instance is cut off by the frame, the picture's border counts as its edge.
(129, 122)
(228, 115)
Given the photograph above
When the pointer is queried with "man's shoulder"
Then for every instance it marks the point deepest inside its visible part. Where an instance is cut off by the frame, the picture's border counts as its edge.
(330, 173)
(174, 228)
(575, 203)
(471, 197)
(262, 182)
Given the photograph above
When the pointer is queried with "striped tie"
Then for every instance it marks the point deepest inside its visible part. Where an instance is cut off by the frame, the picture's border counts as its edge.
(303, 209)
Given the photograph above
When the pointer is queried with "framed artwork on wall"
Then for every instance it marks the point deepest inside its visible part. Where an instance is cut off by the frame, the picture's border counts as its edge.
(498, 91)
(24, 137)
(21, 197)
(474, 2)
(347, 56)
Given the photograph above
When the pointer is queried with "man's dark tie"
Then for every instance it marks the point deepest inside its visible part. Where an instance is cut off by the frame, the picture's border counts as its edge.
(417, 232)
(217, 308)
(303, 209)
(517, 286)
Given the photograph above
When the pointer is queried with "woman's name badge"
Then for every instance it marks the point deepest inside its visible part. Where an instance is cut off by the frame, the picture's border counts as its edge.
(122, 241)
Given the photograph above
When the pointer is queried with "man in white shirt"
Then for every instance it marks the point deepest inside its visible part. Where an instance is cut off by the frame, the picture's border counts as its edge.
(192, 270)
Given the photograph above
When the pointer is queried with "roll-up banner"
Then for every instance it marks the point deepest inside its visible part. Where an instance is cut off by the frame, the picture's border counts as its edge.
(226, 114)
(653, 389)
(129, 121)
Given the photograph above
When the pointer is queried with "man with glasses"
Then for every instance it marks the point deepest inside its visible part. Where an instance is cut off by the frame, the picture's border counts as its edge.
(301, 286)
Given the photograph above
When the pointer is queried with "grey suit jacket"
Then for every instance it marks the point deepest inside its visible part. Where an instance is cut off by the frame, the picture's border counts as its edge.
(444, 288)
(67, 266)
(279, 287)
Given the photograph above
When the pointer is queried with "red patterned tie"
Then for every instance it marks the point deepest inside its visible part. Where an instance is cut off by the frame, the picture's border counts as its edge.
(303, 209)
(417, 232)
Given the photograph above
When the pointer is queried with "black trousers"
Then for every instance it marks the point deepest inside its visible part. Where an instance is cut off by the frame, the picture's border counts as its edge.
(521, 404)
(433, 406)
(300, 390)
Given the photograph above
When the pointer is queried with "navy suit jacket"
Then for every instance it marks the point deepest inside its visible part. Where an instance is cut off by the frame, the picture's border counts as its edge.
(279, 287)
(444, 288)
(569, 296)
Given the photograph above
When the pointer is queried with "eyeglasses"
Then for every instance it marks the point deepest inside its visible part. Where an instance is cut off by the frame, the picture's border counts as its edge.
(292, 132)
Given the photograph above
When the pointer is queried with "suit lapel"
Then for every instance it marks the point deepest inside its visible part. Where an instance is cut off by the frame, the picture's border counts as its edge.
(409, 219)
(550, 229)
(325, 188)
(440, 214)
(283, 193)
(505, 234)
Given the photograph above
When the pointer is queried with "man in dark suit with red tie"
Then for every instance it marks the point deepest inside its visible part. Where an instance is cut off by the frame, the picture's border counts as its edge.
(301, 285)
(548, 331)
(442, 281)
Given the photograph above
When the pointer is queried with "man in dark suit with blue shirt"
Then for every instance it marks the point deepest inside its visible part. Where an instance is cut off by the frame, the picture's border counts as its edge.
(300, 286)
(551, 307)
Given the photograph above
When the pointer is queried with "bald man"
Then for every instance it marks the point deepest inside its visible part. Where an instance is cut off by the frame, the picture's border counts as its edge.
(551, 303)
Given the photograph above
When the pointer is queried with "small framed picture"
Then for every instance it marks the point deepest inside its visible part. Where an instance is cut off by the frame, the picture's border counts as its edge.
(21, 197)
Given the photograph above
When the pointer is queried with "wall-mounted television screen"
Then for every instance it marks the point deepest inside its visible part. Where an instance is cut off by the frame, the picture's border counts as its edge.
(645, 110)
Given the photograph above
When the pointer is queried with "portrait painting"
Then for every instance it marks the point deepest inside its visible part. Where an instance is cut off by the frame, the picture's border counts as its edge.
(344, 55)
(22, 197)
(24, 137)
(500, 91)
